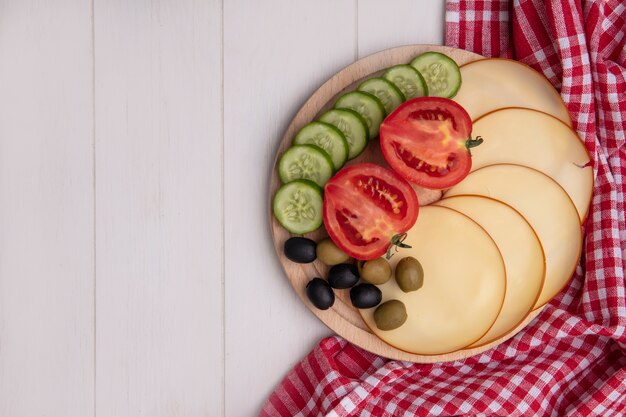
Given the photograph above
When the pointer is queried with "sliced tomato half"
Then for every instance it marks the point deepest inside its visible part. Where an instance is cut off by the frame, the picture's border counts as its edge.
(426, 140)
(365, 205)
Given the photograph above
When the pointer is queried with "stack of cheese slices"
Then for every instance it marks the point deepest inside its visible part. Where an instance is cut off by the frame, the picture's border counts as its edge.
(505, 240)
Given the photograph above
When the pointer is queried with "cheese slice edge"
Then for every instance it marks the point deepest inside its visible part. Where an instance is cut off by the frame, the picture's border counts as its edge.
(493, 83)
(540, 141)
(463, 290)
(546, 207)
(522, 254)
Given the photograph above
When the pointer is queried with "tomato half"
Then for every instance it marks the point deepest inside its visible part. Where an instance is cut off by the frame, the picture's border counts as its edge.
(426, 140)
(365, 205)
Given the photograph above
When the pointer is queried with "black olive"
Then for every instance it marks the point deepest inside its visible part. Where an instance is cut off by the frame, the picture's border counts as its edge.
(320, 293)
(365, 296)
(300, 250)
(343, 276)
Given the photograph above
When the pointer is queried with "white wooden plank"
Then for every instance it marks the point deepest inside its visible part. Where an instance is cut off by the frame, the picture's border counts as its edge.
(46, 209)
(159, 212)
(399, 22)
(276, 54)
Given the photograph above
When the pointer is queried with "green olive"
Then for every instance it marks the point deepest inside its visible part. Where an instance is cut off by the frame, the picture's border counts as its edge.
(329, 253)
(390, 315)
(376, 271)
(409, 274)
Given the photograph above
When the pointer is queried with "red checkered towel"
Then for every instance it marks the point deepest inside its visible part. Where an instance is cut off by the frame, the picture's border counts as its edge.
(572, 360)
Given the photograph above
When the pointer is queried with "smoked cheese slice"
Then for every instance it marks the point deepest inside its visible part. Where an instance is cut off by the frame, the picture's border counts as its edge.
(463, 289)
(540, 141)
(494, 83)
(547, 208)
(521, 250)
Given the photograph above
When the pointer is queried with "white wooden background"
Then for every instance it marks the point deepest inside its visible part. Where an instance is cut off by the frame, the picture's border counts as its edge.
(137, 276)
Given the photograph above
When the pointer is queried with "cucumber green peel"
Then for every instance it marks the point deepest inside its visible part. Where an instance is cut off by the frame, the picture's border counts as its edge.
(353, 127)
(298, 206)
(388, 94)
(305, 162)
(326, 137)
(367, 105)
(441, 73)
(408, 80)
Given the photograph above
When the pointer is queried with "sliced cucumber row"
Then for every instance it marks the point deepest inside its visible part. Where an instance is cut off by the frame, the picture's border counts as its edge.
(298, 206)
(322, 147)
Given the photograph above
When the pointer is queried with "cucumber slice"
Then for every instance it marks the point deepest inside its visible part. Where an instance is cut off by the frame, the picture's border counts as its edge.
(298, 206)
(385, 91)
(305, 162)
(441, 73)
(327, 137)
(353, 127)
(368, 106)
(408, 80)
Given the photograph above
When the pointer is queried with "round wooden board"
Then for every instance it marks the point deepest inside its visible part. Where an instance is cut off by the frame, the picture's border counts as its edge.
(342, 318)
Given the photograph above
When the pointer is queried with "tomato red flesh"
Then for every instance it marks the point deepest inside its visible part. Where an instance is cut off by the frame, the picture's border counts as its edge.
(418, 164)
(424, 140)
(344, 218)
(382, 194)
(364, 206)
(437, 114)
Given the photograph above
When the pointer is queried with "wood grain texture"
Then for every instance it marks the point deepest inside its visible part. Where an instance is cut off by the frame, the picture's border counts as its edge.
(157, 345)
(46, 209)
(158, 208)
(342, 317)
(276, 53)
(399, 22)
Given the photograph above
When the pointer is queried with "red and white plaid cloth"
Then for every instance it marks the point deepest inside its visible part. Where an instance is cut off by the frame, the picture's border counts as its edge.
(572, 360)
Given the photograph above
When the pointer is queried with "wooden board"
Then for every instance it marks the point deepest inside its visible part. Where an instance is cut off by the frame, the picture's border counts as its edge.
(342, 317)
(47, 252)
(262, 92)
(158, 214)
